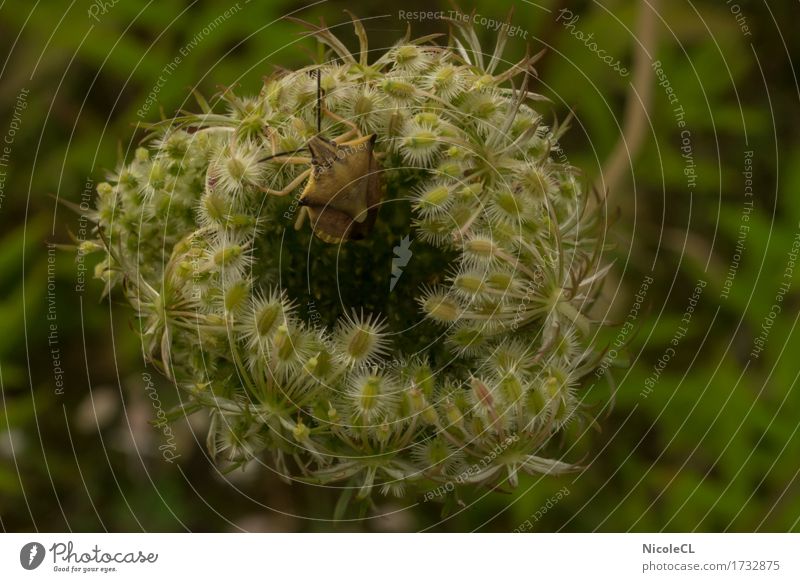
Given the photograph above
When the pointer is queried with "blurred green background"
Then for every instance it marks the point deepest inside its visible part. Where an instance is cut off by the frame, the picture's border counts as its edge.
(713, 445)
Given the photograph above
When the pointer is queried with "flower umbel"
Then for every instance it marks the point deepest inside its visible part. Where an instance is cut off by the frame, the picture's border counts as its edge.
(486, 346)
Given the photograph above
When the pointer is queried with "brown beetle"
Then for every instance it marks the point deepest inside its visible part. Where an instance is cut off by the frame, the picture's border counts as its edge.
(344, 188)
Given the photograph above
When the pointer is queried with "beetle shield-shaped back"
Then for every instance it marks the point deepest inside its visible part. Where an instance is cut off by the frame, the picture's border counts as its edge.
(344, 190)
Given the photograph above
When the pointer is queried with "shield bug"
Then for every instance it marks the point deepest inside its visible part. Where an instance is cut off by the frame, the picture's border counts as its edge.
(343, 187)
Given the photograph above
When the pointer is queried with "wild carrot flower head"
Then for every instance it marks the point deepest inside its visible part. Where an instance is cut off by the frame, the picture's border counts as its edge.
(368, 362)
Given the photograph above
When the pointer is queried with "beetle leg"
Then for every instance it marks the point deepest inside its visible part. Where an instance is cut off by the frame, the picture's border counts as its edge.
(345, 137)
(297, 160)
(359, 141)
(339, 118)
(301, 218)
(291, 186)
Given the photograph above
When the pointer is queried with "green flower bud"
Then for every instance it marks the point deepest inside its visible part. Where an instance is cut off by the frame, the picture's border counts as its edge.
(301, 432)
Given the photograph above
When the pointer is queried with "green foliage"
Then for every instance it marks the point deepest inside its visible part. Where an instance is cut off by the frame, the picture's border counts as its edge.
(712, 448)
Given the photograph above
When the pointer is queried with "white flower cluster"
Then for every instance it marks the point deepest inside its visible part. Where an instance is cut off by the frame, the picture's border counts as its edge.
(192, 227)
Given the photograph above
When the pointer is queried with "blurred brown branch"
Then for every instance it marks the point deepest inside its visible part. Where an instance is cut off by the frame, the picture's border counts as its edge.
(637, 102)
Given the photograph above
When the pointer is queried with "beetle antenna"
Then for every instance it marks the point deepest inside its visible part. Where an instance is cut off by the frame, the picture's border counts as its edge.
(283, 154)
(319, 121)
(319, 102)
